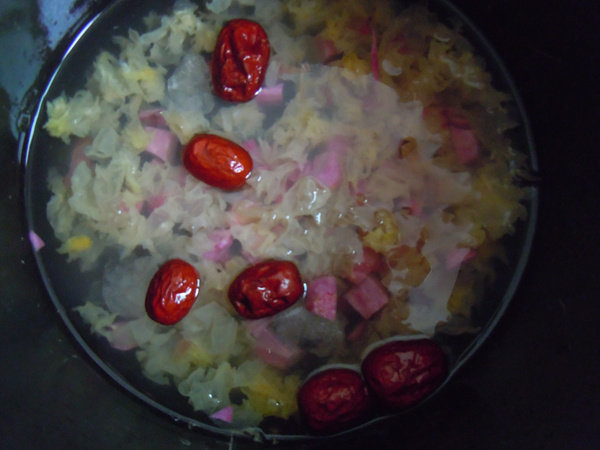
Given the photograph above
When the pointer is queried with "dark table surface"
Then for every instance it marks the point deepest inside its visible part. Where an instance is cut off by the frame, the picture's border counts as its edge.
(533, 384)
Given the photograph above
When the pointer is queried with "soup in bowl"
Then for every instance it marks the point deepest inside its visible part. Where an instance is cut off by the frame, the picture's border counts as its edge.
(279, 218)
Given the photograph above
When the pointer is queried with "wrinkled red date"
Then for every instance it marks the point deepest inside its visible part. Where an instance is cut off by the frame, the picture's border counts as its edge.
(401, 373)
(266, 289)
(172, 292)
(217, 161)
(240, 60)
(333, 400)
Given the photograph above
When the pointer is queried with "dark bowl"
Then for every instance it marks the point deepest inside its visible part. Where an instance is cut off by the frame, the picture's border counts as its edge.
(39, 152)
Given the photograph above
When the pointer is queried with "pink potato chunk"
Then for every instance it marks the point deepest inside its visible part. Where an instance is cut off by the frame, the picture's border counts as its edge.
(225, 414)
(458, 256)
(270, 96)
(36, 242)
(153, 118)
(222, 241)
(370, 262)
(368, 297)
(163, 143)
(327, 167)
(269, 347)
(321, 297)
(465, 144)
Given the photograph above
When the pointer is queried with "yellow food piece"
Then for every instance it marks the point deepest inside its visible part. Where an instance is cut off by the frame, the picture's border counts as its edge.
(58, 124)
(145, 74)
(496, 206)
(384, 234)
(478, 234)
(408, 146)
(273, 395)
(205, 39)
(408, 265)
(353, 63)
(193, 353)
(137, 137)
(77, 244)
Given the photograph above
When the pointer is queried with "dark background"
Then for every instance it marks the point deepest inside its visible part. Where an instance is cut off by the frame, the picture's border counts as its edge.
(534, 383)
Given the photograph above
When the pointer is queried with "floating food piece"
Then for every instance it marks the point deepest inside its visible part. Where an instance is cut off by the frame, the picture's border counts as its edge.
(36, 242)
(465, 144)
(402, 373)
(266, 289)
(172, 292)
(321, 297)
(327, 167)
(121, 337)
(217, 161)
(225, 414)
(333, 400)
(458, 256)
(153, 118)
(222, 241)
(240, 60)
(368, 297)
(371, 262)
(76, 244)
(270, 96)
(268, 346)
(78, 156)
(163, 143)
(385, 233)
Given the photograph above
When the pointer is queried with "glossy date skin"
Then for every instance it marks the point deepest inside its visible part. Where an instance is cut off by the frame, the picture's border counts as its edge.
(401, 373)
(334, 400)
(172, 292)
(217, 161)
(265, 289)
(240, 60)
